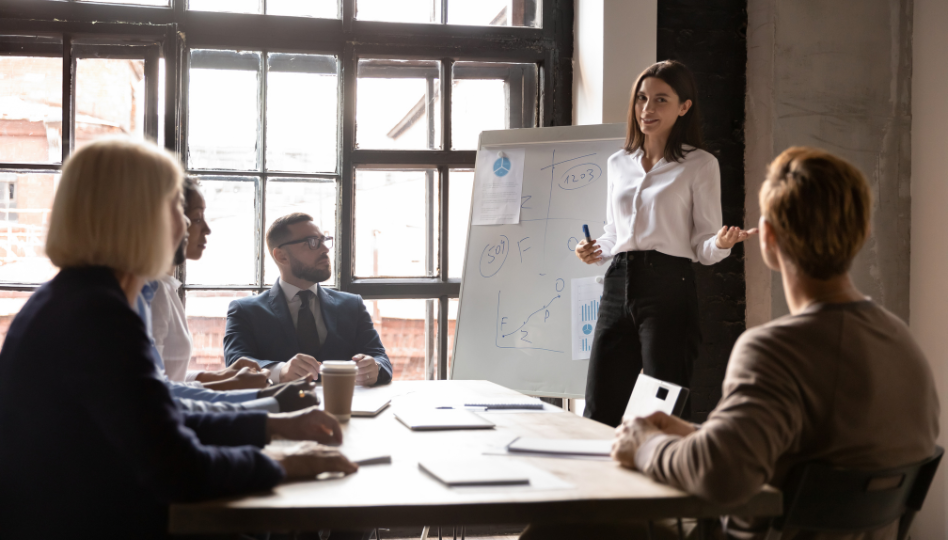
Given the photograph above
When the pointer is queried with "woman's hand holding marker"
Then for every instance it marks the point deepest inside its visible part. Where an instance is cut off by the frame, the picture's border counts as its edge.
(589, 252)
(727, 237)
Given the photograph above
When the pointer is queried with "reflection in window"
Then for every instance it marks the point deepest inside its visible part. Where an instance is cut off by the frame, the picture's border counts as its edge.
(324, 9)
(493, 12)
(110, 98)
(231, 254)
(407, 331)
(490, 96)
(397, 104)
(207, 317)
(25, 202)
(230, 6)
(459, 212)
(223, 110)
(391, 224)
(31, 109)
(316, 198)
(404, 11)
(301, 113)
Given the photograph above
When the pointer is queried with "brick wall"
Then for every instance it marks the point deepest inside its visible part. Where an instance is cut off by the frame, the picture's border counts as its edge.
(710, 36)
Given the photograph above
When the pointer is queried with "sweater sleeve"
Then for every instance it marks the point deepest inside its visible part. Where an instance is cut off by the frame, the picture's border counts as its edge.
(735, 452)
(118, 386)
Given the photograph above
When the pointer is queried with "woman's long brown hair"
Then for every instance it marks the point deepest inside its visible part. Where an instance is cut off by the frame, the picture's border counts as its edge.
(687, 128)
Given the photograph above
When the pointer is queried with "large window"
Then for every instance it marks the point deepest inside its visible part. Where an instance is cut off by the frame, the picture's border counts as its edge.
(364, 114)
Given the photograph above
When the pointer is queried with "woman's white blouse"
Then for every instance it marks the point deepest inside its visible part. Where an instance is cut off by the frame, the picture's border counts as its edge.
(675, 208)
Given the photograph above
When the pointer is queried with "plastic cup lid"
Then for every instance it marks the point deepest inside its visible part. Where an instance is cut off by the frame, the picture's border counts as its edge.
(338, 366)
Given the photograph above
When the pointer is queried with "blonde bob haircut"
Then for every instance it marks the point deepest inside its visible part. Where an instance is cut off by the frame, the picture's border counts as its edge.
(112, 208)
(820, 207)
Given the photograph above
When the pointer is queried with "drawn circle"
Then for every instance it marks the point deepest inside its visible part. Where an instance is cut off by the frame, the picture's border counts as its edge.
(494, 256)
(572, 243)
(587, 329)
(580, 176)
(560, 284)
(502, 166)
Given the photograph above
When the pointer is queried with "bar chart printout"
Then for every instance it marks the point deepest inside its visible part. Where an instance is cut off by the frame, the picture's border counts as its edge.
(586, 295)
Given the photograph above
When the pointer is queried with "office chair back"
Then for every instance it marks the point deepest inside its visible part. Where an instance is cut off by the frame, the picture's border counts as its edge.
(820, 497)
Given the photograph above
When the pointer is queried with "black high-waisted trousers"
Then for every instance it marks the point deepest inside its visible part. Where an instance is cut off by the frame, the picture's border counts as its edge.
(648, 319)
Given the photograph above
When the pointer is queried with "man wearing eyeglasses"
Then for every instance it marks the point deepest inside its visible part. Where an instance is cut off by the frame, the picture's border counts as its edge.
(297, 324)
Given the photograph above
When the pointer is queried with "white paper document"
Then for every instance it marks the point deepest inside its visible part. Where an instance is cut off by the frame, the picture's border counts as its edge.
(586, 296)
(498, 185)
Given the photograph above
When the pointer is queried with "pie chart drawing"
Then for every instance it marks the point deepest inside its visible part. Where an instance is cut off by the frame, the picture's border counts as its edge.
(587, 329)
(502, 166)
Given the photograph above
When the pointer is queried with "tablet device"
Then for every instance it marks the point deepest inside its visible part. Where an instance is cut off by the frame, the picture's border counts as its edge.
(651, 395)
(441, 419)
(477, 472)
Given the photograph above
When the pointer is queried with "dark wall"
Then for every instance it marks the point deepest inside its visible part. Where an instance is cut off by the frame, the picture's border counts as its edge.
(710, 36)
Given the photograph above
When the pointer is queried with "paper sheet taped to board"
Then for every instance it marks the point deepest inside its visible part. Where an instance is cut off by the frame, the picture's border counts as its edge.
(587, 294)
(497, 189)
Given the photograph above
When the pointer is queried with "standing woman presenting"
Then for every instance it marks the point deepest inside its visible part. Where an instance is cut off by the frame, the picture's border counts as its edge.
(663, 213)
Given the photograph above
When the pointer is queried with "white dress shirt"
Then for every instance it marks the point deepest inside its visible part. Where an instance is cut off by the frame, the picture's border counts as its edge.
(290, 292)
(675, 208)
(170, 328)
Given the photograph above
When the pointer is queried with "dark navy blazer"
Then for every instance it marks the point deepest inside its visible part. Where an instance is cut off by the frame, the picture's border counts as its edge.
(260, 328)
(91, 444)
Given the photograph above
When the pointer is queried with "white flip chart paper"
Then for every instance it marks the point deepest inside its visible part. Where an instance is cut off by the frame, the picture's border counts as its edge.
(497, 188)
(586, 295)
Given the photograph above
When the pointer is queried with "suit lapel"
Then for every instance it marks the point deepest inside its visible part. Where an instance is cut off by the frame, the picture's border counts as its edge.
(327, 306)
(282, 312)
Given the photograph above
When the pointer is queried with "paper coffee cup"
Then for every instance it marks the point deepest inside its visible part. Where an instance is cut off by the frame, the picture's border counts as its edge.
(338, 378)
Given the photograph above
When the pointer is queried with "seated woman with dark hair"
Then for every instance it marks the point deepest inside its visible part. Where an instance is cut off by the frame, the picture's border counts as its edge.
(92, 443)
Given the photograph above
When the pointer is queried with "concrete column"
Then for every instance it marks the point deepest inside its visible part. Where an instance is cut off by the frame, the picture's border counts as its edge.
(929, 288)
(614, 41)
(820, 76)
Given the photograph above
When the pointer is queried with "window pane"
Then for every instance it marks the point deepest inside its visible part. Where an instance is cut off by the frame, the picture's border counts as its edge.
(489, 96)
(459, 212)
(11, 302)
(223, 110)
(232, 6)
(391, 229)
(494, 12)
(324, 9)
(110, 98)
(417, 11)
(316, 198)
(25, 201)
(301, 113)
(231, 254)
(407, 331)
(207, 316)
(163, 3)
(31, 90)
(397, 104)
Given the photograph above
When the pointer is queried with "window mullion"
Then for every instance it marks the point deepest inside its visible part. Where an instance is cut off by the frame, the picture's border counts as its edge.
(261, 185)
(69, 97)
(345, 228)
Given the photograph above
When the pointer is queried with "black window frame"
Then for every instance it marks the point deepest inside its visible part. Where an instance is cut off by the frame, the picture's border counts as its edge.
(175, 30)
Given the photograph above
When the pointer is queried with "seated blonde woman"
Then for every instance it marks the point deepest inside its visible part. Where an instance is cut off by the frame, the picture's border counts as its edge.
(92, 443)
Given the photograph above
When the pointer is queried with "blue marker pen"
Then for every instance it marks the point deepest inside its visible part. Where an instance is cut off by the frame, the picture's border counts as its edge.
(586, 232)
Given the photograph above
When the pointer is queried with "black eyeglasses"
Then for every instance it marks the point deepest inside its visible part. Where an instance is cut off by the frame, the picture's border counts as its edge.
(314, 242)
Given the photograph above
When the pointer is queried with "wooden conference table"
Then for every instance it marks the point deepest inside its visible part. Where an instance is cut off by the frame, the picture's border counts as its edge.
(401, 495)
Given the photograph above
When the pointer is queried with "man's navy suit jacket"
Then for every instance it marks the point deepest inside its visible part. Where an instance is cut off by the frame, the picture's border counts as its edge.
(260, 328)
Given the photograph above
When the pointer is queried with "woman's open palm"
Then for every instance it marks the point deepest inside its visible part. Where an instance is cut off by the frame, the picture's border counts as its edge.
(727, 237)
